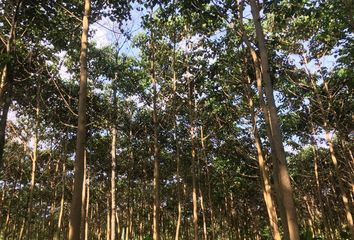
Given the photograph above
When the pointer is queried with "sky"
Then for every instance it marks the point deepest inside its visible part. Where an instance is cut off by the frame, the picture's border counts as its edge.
(106, 32)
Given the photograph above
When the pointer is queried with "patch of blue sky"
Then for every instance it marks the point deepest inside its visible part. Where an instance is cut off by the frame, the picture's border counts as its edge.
(107, 32)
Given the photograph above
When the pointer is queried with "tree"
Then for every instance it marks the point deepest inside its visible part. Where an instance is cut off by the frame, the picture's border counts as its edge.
(208, 120)
(276, 136)
(76, 206)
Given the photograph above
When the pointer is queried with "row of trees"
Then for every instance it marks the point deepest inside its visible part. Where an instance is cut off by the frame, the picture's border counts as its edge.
(234, 121)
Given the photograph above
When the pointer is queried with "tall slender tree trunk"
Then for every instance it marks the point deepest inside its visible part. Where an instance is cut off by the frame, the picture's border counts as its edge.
(10, 204)
(235, 218)
(2, 204)
(211, 207)
(113, 170)
(83, 207)
(76, 204)
(257, 66)
(317, 179)
(61, 211)
(156, 170)
(340, 183)
(156, 190)
(34, 163)
(178, 173)
(348, 153)
(130, 175)
(108, 220)
(202, 207)
(7, 221)
(144, 190)
(279, 193)
(113, 184)
(176, 140)
(276, 137)
(51, 223)
(20, 235)
(266, 186)
(311, 219)
(192, 133)
(87, 206)
(118, 226)
(193, 165)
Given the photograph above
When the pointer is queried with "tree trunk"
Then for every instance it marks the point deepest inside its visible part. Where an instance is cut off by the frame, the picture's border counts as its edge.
(86, 223)
(276, 138)
(193, 166)
(317, 179)
(205, 232)
(211, 208)
(34, 162)
(130, 175)
(176, 140)
(340, 183)
(108, 220)
(266, 186)
(348, 154)
(83, 207)
(156, 190)
(76, 204)
(113, 184)
(51, 223)
(279, 193)
(192, 132)
(2, 203)
(61, 211)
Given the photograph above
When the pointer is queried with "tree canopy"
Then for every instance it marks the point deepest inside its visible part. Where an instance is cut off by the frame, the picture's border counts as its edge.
(194, 119)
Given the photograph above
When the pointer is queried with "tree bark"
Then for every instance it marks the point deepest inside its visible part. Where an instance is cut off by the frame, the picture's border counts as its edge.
(193, 165)
(113, 183)
(108, 220)
(113, 160)
(83, 207)
(130, 175)
(317, 179)
(34, 162)
(205, 231)
(279, 193)
(266, 186)
(276, 137)
(87, 206)
(156, 189)
(257, 67)
(176, 141)
(76, 205)
(192, 133)
(211, 207)
(61, 211)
